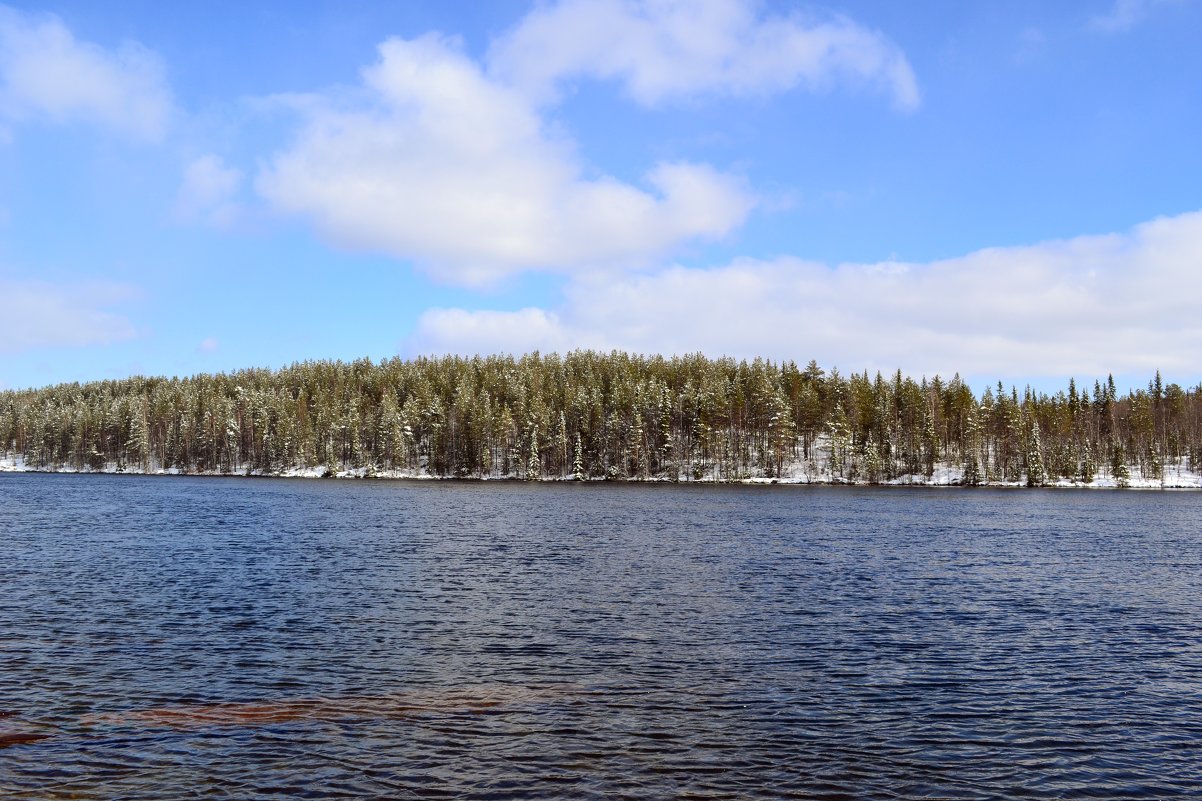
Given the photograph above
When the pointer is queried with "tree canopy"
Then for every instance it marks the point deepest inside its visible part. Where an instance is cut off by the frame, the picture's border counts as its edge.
(602, 415)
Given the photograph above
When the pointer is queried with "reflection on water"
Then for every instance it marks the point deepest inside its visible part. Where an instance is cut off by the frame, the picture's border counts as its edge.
(174, 638)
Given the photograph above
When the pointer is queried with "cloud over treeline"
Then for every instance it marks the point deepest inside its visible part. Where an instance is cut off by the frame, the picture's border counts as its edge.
(1089, 305)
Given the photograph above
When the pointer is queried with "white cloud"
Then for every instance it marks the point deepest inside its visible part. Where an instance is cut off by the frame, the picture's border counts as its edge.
(667, 49)
(38, 315)
(432, 160)
(1090, 305)
(209, 345)
(1125, 15)
(207, 191)
(523, 331)
(45, 72)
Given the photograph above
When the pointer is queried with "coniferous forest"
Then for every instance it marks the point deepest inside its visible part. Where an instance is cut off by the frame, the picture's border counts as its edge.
(591, 415)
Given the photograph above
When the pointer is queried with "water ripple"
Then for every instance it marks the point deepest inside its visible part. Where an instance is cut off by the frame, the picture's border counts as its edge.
(179, 638)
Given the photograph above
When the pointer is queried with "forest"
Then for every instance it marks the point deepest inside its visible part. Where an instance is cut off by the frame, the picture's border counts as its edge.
(618, 416)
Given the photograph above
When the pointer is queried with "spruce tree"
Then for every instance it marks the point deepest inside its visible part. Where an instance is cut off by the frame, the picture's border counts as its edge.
(1118, 465)
(872, 461)
(929, 444)
(1089, 468)
(138, 447)
(1155, 462)
(578, 460)
(840, 442)
(972, 471)
(1036, 473)
(533, 462)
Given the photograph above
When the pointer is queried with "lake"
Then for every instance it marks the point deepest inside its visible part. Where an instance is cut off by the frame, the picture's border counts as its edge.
(170, 638)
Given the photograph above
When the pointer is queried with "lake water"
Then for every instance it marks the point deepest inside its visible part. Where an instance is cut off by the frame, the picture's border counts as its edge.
(166, 638)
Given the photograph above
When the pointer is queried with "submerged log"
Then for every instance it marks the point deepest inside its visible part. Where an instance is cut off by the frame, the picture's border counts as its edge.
(10, 738)
(473, 701)
(349, 708)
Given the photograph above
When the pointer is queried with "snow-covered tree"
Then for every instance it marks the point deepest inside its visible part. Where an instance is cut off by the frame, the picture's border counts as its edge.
(578, 460)
(1037, 474)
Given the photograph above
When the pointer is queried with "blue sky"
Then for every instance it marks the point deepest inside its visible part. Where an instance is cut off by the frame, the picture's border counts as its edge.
(1005, 189)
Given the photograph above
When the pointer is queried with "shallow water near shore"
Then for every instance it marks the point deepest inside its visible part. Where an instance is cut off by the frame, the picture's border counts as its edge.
(166, 638)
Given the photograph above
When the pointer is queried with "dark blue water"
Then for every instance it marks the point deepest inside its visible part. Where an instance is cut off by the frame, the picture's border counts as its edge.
(166, 638)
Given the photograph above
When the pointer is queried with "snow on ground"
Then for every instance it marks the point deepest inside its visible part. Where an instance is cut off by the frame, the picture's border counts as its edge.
(12, 464)
(1176, 476)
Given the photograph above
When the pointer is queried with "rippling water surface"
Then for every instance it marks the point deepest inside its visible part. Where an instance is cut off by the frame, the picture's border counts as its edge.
(182, 638)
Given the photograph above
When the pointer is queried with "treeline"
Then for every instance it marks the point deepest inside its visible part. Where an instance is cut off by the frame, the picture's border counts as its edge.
(595, 415)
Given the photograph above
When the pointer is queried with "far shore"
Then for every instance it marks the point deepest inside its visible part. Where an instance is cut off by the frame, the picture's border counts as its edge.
(943, 477)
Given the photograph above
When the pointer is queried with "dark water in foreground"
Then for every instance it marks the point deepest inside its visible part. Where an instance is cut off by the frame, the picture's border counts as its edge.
(185, 638)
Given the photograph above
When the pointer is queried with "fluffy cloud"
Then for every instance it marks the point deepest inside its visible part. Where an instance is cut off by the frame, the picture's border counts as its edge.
(666, 49)
(43, 315)
(1085, 306)
(46, 73)
(435, 161)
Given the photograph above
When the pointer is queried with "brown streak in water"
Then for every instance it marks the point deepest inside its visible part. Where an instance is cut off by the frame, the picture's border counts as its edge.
(18, 737)
(387, 707)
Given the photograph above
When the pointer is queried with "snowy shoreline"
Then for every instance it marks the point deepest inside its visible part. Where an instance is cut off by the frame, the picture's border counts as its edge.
(944, 476)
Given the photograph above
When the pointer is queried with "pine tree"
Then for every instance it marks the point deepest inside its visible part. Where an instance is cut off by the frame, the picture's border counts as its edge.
(1155, 462)
(1089, 468)
(972, 471)
(1036, 473)
(138, 447)
(930, 444)
(972, 444)
(533, 462)
(840, 442)
(578, 460)
(636, 444)
(1118, 465)
(666, 443)
(561, 442)
(872, 461)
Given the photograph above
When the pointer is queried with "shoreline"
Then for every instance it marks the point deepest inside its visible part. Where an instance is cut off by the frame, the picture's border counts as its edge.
(1186, 481)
